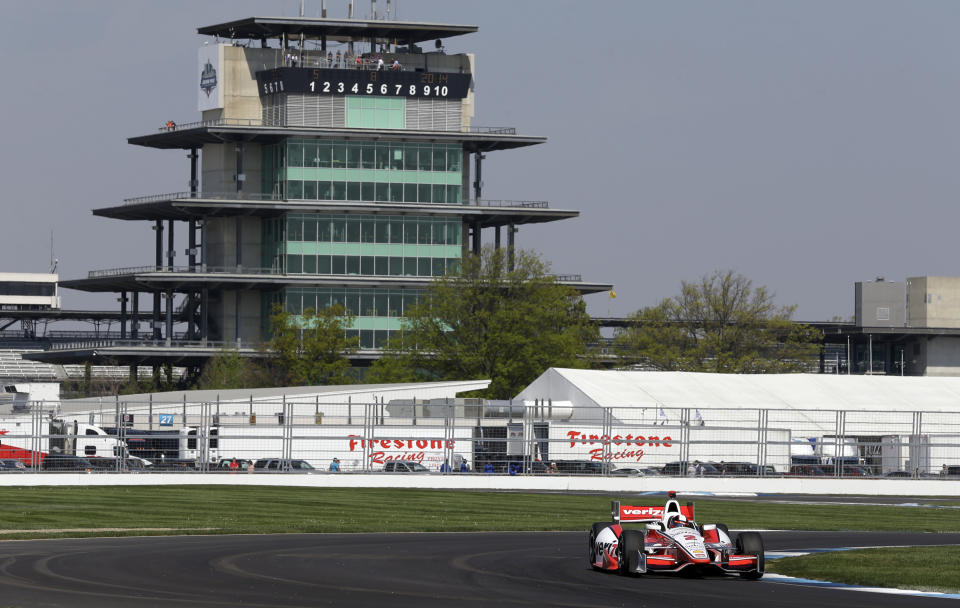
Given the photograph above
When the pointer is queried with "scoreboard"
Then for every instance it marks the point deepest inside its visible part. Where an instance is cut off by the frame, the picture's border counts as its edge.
(382, 83)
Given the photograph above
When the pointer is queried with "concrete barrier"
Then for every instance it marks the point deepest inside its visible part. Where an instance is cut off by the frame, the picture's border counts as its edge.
(546, 483)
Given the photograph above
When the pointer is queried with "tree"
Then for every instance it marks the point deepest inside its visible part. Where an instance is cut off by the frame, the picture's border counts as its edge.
(719, 324)
(310, 349)
(227, 369)
(488, 321)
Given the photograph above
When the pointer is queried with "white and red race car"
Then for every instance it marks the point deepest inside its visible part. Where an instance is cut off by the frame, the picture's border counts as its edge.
(671, 541)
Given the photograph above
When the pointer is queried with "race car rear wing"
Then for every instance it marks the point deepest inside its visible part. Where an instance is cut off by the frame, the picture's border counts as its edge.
(627, 514)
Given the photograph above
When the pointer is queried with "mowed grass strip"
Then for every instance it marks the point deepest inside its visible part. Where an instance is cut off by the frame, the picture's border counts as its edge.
(918, 568)
(244, 510)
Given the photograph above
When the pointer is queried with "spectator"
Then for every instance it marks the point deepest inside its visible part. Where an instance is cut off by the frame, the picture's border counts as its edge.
(444, 468)
(234, 465)
(396, 65)
(463, 467)
(943, 471)
(691, 469)
(335, 465)
(699, 468)
(329, 58)
(339, 59)
(171, 125)
(379, 63)
(249, 466)
(488, 468)
(359, 62)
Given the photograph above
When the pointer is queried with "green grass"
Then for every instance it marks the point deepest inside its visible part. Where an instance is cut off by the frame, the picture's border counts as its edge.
(240, 510)
(923, 568)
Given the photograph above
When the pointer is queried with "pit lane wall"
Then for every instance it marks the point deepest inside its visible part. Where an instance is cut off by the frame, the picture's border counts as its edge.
(546, 483)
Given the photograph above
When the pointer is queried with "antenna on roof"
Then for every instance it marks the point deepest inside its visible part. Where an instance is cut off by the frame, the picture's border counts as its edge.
(387, 15)
(53, 261)
(301, 8)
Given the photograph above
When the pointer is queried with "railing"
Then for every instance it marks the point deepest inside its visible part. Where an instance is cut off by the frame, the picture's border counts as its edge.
(256, 122)
(118, 272)
(256, 196)
(568, 278)
(151, 342)
(505, 203)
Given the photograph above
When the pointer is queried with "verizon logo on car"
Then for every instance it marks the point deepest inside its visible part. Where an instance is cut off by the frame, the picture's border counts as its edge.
(638, 511)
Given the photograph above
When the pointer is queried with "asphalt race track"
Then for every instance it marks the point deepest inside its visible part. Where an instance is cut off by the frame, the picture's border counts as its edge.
(474, 569)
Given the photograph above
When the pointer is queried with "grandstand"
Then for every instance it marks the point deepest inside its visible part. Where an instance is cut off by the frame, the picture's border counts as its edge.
(14, 368)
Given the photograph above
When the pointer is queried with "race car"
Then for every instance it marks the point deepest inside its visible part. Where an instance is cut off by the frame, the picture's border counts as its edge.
(671, 541)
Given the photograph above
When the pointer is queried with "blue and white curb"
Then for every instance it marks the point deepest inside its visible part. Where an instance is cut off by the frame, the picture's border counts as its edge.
(771, 577)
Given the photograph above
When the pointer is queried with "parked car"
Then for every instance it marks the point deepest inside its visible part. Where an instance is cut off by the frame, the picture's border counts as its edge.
(404, 466)
(12, 465)
(62, 462)
(132, 464)
(807, 470)
(278, 465)
(679, 468)
(174, 464)
(224, 464)
(635, 472)
(579, 467)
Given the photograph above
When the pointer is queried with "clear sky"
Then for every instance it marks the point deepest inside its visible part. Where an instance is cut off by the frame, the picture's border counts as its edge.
(806, 144)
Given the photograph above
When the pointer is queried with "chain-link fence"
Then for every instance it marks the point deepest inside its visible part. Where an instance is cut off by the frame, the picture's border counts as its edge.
(467, 436)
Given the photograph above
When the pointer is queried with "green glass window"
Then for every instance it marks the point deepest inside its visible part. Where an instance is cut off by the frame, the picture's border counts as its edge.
(353, 156)
(295, 154)
(295, 189)
(409, 193)
(294, 264)
(368, 231)
(439, 158)
(310, 190)
(353, 191)
(339, 155)
(324, 191)
(324, 154)
(294, 229)
(310, 229)
(367, 191)
(353, 264)
(382, 230)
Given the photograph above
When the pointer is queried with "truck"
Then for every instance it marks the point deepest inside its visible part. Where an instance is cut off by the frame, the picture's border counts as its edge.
(31, 437)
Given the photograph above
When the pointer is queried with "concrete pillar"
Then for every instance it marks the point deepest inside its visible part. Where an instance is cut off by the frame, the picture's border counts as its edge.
(135, 321)
(123, 315)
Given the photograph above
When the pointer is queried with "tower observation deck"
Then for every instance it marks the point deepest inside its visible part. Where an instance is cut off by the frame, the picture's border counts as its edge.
(334, 163)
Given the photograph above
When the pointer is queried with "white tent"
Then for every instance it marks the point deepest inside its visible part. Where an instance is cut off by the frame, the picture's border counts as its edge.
(634, 389)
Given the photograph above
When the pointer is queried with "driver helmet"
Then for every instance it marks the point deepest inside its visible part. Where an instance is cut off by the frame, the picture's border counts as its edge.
(678, 521)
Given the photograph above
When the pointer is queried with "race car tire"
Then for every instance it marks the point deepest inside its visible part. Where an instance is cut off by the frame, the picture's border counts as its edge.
(751, 543)
(631, 543)
(725, 529)
(596, 529)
